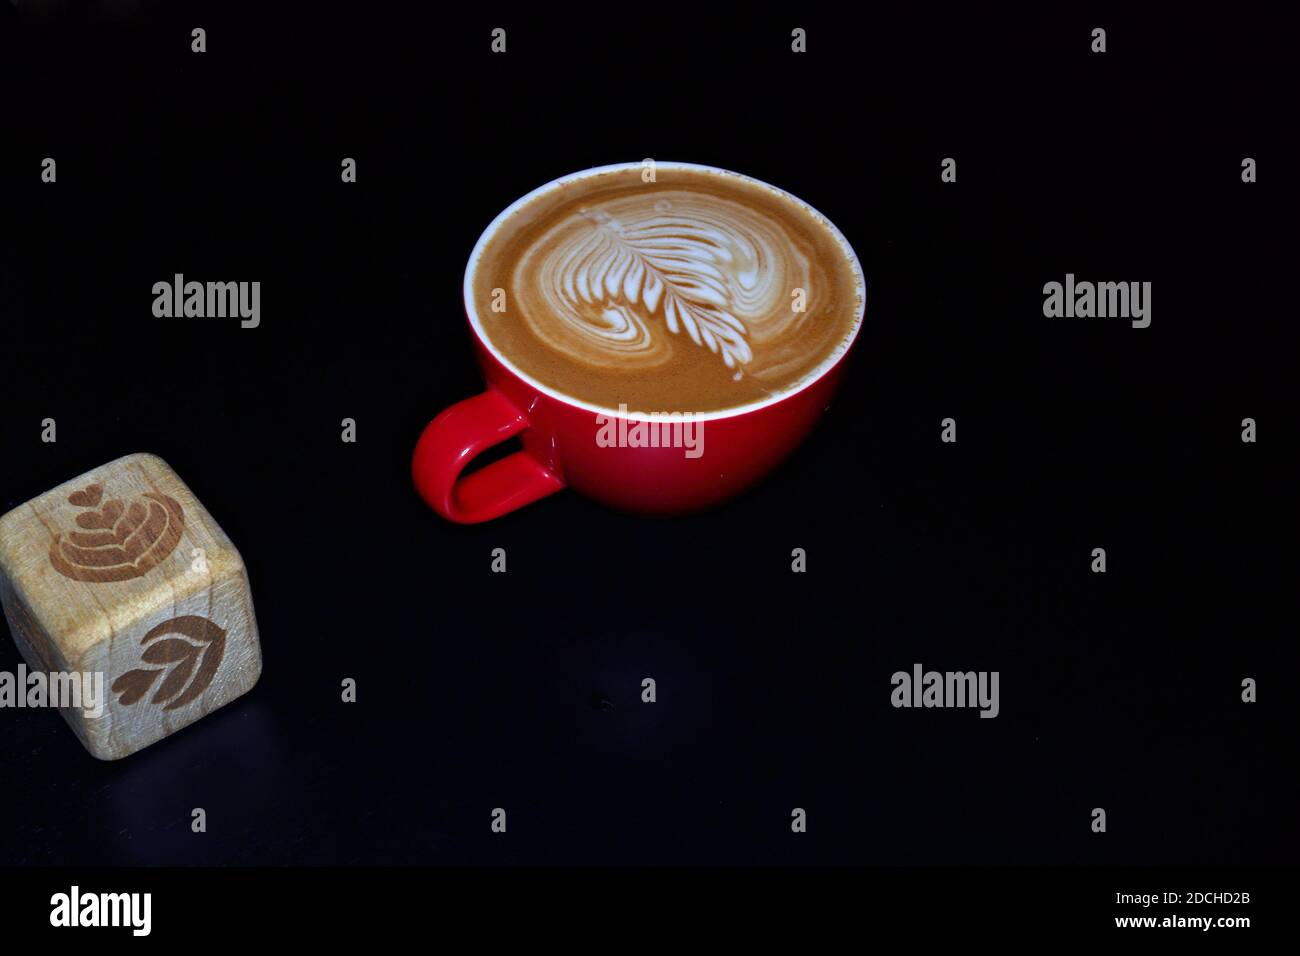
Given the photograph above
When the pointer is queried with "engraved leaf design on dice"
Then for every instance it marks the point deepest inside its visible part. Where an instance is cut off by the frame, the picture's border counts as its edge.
(188, 650)
(656, 261)
(117, 542)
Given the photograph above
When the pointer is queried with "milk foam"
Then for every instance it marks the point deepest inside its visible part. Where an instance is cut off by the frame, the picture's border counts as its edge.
(625, 282)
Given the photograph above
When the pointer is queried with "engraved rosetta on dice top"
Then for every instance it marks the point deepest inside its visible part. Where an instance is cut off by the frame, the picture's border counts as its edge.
(117, 543)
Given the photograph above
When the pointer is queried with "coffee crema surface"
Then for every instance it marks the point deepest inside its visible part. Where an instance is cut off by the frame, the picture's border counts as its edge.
(700, 291)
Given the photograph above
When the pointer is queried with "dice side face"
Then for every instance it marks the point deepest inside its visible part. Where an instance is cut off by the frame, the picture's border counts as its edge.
(122, 573)
(174, 665)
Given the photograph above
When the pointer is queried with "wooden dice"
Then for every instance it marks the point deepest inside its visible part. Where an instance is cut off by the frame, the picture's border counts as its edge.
(122, 573)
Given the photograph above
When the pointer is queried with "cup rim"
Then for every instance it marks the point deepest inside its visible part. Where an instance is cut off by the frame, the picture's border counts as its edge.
(804, 383)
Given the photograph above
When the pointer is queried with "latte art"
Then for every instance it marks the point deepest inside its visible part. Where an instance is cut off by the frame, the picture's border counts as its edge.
(700, 291)
(616, 283)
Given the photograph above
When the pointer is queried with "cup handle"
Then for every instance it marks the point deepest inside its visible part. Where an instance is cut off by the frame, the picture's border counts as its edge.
(456, 437)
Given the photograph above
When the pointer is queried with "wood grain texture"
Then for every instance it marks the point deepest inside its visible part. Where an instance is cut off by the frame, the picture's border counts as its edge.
(123, 572)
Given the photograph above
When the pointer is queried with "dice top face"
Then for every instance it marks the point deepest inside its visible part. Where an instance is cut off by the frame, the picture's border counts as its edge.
(122, 572)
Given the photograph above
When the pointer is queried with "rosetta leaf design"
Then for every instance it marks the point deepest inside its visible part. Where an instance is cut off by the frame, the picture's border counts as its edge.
(193, 665)
(168, 652)
(133, 685)
(175, 679)
(87, 497)
(668, 263)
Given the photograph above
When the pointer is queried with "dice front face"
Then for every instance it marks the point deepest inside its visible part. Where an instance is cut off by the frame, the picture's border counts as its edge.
(124, 574)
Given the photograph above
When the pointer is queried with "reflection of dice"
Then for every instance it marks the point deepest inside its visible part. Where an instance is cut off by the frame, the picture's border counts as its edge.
(122, 573)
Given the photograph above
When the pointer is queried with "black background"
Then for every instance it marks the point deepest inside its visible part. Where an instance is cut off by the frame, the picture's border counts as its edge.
(481, 690)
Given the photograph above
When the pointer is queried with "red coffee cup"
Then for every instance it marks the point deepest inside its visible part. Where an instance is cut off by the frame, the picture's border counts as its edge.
(566, 441)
